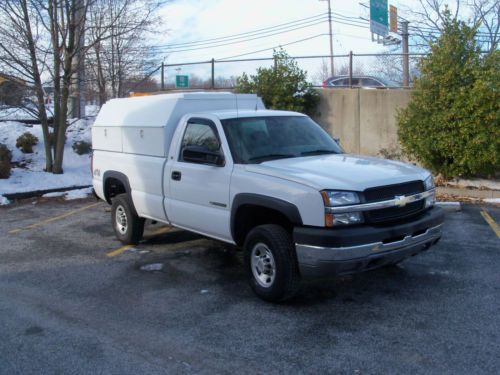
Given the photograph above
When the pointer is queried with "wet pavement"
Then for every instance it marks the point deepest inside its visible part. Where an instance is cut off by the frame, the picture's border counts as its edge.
(73, 300)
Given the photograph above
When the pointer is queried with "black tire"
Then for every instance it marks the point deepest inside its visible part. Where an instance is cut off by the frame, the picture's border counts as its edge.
(272, 282)
(131, 227)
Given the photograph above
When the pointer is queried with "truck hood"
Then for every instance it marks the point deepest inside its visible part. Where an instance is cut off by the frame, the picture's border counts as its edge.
(340, 171)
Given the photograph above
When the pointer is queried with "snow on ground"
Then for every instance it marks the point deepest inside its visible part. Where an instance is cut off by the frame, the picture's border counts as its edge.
(31, 177)
(15, 113)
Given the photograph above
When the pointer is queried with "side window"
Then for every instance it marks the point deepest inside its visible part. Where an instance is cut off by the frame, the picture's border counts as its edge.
(341, 82)
(200, 133)
(369, 82)
(354, 82)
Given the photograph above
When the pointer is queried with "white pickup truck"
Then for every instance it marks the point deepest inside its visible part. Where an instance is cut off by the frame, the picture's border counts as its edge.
(271, 182)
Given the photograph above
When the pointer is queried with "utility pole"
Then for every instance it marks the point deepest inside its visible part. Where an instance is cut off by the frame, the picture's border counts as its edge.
(331, 36)
(406, 64)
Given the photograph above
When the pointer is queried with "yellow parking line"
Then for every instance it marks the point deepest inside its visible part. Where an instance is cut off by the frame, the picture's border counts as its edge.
(50, 220)
(491, 222)
(160, 231)
(122, 249)
(119, 251)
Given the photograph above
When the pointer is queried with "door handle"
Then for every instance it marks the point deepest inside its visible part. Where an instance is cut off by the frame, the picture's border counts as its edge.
(176, 175)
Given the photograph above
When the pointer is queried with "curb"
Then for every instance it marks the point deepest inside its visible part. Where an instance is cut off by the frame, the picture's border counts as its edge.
(450, 206)
(469, 193)
(39, 193)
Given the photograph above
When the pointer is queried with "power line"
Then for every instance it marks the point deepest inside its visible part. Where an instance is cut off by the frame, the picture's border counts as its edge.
(248, 33)
(211, 45)
(243, 40)
(264, 32)
(258, 34)
(272, 48)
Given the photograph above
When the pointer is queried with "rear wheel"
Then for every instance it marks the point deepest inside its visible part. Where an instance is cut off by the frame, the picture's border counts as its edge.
(271, 263)
(127, 225)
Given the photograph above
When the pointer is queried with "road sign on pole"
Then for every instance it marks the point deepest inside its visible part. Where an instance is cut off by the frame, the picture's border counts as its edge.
(181, 82)
(379, 17)
(393, 19)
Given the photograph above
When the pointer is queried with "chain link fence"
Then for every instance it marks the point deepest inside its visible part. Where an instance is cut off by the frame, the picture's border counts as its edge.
(355, 69)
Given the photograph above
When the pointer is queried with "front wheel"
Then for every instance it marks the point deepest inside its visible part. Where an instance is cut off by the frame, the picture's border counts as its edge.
(271, 263)
(127, 225)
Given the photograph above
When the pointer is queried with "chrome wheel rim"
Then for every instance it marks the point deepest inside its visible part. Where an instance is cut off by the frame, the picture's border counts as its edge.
(121, 219)
(263, 265)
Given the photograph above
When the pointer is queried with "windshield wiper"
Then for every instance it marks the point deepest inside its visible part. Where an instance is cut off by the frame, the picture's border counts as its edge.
(262, 158)
(318, 152)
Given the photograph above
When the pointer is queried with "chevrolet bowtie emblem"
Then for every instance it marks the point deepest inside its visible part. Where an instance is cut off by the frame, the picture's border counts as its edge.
(400, 200)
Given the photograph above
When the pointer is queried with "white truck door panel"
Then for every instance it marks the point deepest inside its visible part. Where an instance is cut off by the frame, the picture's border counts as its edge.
(199, 193)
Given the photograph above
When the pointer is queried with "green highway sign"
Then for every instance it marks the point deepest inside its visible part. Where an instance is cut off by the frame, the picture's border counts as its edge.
(181, 82)
(378, 17)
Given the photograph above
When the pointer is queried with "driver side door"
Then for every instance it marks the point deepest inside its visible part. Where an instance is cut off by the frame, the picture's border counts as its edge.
(199, 190)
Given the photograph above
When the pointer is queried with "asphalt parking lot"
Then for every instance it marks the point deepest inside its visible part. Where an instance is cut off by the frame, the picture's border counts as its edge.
(73, 300)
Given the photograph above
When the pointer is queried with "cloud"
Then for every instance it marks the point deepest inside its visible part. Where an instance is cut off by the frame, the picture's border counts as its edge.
(197, 20)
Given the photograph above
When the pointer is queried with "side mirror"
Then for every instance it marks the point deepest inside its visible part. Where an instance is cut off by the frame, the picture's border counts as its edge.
(202, 155)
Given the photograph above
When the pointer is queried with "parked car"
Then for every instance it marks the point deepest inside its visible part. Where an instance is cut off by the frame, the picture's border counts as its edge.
(273, 183)
(357, 81)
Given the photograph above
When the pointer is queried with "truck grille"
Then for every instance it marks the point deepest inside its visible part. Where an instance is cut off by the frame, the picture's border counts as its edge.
(383, 193)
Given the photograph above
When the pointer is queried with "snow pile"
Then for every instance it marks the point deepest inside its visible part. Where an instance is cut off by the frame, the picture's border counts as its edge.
(28, 169)
(3, 201)
(91, 110)
(71, 194)
(492, 200)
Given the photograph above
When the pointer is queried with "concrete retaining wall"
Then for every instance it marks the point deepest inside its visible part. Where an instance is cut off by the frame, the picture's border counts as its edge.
(363, 119)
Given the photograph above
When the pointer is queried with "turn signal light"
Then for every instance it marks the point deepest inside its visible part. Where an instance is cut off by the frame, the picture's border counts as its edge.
(329, 220)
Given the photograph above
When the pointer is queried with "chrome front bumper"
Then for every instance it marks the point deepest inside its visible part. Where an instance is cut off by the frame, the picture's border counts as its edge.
(318, 261)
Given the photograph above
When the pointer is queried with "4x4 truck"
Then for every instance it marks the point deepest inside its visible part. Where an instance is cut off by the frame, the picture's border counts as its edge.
(273, 183)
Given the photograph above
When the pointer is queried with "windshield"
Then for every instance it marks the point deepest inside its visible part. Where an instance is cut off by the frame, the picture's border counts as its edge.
(258, 139)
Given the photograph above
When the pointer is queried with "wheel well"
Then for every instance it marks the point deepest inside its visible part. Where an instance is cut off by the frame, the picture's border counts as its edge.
(249, 216)
(113, 187)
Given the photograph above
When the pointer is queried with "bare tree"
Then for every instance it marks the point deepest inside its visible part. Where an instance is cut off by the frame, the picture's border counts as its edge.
(120, 35)
(487, 15)
(322, 72)
(390, 68)
(23, 52)
(65, 24)
(43, 38)
(426, 20)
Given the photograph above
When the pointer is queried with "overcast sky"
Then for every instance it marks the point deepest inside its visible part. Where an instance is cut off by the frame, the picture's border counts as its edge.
(195, 20)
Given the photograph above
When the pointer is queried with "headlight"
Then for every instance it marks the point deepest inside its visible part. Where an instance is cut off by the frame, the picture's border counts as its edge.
(341, 198)
(429, 183)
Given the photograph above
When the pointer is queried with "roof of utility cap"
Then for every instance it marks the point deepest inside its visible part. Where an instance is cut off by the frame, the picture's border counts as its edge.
(167, 109)
(230, 114)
